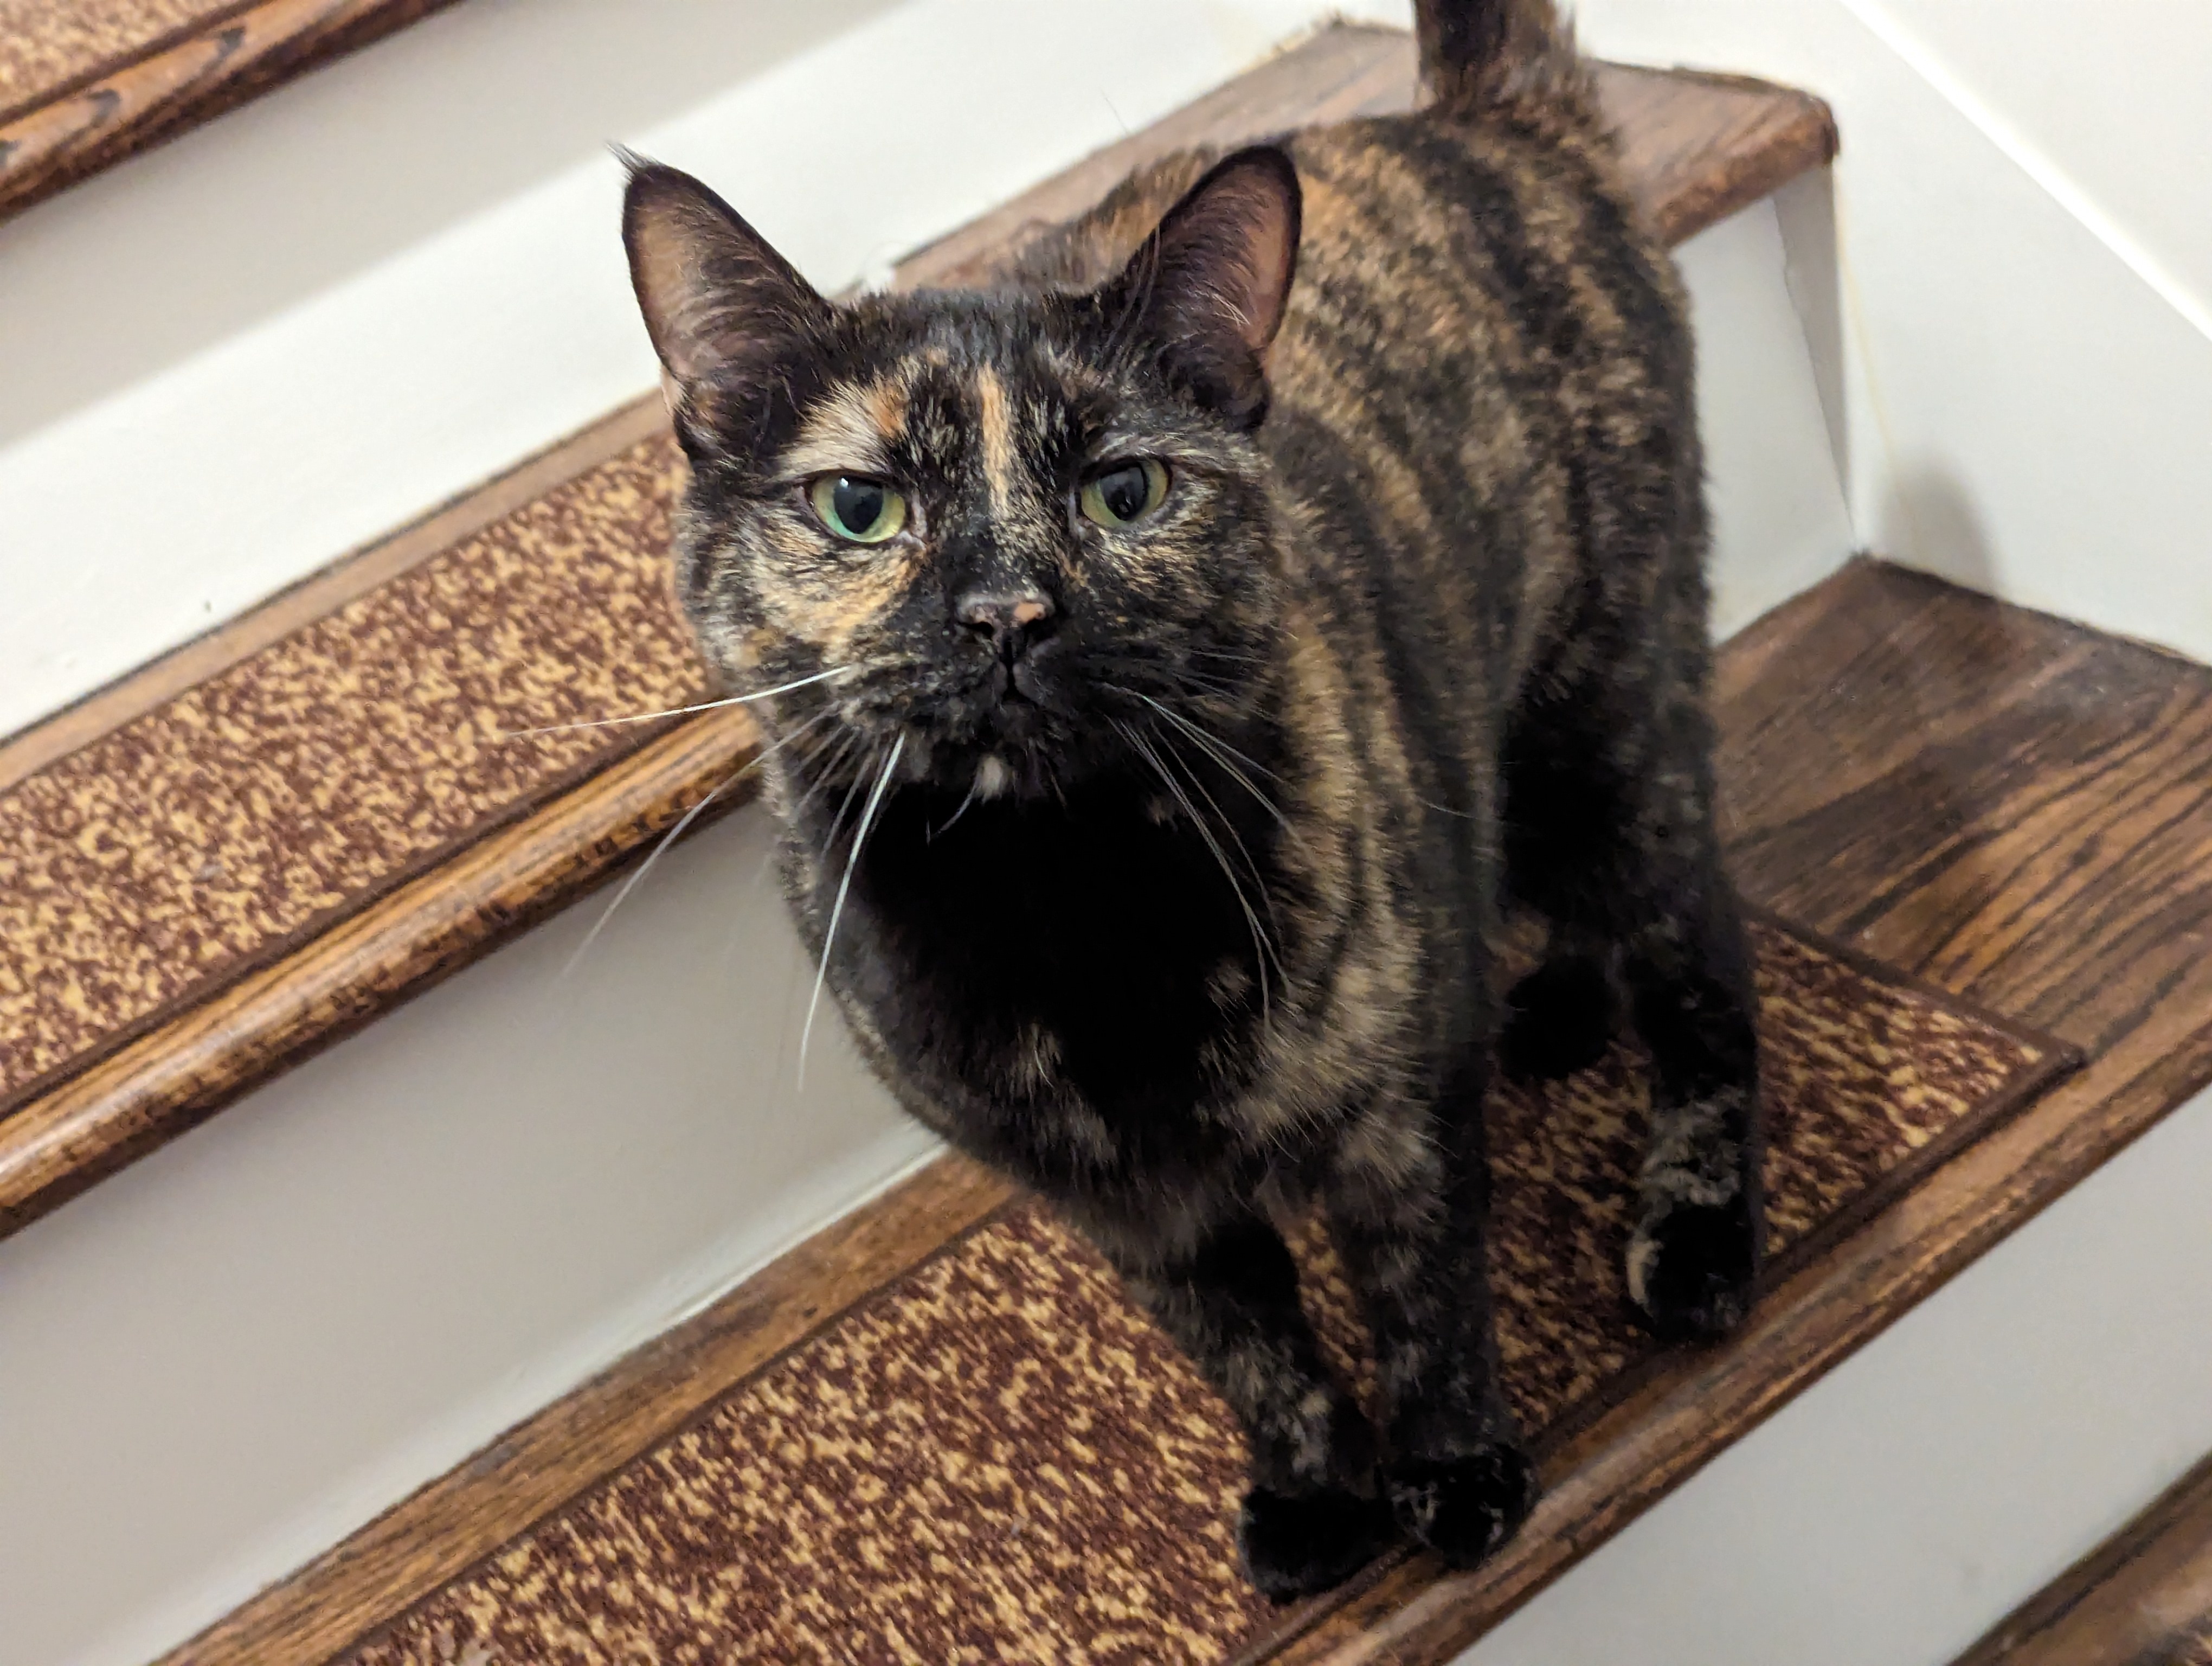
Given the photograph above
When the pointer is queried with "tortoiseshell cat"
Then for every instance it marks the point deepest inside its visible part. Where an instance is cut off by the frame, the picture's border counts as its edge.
(1184, 654)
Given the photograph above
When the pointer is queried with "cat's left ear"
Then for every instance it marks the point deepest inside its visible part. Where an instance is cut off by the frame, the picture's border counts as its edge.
(1207, 289)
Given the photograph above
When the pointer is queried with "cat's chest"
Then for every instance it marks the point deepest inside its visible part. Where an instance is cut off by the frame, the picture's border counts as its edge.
(1057, 958)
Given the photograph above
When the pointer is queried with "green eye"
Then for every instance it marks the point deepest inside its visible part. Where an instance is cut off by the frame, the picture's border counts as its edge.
(1124, 492)
(858, 509)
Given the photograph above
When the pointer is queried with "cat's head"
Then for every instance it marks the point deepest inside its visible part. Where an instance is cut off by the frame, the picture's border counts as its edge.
(1005, 532)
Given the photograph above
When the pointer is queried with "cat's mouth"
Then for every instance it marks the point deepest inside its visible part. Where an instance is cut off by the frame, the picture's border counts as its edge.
(1015, 704)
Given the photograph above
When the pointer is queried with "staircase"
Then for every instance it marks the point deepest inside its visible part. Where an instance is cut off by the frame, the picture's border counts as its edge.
(314, 1292)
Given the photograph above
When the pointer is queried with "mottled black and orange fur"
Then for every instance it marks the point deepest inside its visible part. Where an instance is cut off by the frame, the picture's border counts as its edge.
(1168, 862)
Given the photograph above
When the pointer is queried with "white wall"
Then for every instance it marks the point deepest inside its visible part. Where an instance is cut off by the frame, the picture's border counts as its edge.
(2107, 103)
(2022, 208)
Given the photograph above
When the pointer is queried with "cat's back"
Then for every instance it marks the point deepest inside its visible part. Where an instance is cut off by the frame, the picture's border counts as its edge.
(1484, 346)
(1498, 261)
(1471, 296)
(1479, 318)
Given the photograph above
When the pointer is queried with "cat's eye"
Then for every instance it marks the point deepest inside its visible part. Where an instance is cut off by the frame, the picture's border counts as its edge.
(1123, 492)
(858, 509)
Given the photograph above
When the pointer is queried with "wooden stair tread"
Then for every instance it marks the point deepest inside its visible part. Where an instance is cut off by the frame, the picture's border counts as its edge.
(164, 973)
(1819, 707)
(2142, 1598)
(84, 83)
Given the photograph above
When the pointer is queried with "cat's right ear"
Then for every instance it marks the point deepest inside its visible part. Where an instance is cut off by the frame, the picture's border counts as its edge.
(1208, 286)
(723, 309)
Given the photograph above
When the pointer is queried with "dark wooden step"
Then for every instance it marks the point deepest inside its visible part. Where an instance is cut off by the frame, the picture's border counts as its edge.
(2012, 808)
(82, 86)
(339, 822)
(2142, 1598)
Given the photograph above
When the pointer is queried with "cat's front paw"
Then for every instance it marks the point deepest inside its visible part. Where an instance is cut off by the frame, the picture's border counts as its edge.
(1295, 1544)
(1464, 1507)
(1693, 1268)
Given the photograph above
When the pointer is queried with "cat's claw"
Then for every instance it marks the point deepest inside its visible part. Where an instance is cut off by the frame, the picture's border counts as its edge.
(1298, 1543)
(1463, 1508)
(1692, 1269)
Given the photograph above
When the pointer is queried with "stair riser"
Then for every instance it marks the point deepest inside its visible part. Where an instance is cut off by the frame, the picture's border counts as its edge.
(229, 1356)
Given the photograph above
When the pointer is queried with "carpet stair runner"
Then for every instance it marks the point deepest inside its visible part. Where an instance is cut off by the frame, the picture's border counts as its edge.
(1980, 834)
(994, 1456)
(936, 1432)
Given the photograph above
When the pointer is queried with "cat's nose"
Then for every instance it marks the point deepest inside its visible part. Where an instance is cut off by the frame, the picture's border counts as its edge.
(1010, 620)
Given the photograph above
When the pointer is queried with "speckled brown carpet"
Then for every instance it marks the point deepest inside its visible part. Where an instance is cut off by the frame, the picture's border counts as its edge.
(997, 1459)
(143, 872)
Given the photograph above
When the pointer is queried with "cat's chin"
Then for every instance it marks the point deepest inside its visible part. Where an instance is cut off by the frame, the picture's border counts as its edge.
(994, 777)
(1000, 769)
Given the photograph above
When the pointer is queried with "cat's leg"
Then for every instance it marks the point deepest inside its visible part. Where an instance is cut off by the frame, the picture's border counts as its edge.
(1560, 1018)
(1694, 1257)
(1313, 1514)
(1610, 826)
(1408, 1202)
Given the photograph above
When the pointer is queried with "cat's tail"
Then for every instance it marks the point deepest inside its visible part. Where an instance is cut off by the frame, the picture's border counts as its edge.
(1507, 57)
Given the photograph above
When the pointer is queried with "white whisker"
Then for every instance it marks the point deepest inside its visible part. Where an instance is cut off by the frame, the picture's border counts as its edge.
(837, 761)
(954, 820)
(1213, 740)
(1262, 948)
(1259, 879)
(676, 832)
(676, 711)
(1224, 653)
(837, 908)
(638, 878)
(860, 780)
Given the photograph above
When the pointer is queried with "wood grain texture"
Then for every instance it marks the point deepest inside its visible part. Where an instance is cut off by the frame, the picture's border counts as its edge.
(2013, 808)
(1696, 147)
(2142, 1598)
(120, 109)
(464, 1516)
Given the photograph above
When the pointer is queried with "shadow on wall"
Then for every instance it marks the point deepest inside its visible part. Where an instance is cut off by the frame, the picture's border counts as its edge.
(1925, 519)
(1805, 209)
(348, 167)
(1928, 521)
